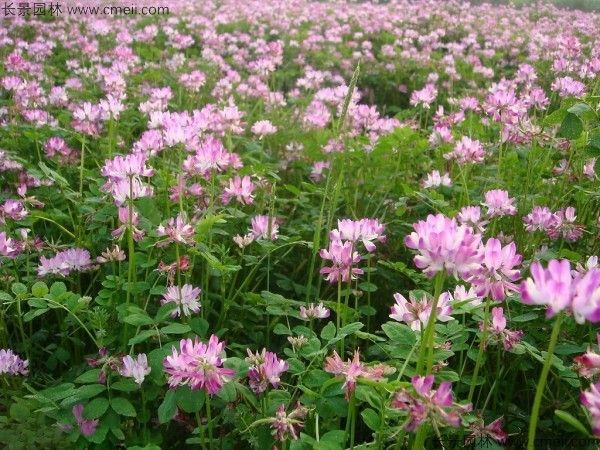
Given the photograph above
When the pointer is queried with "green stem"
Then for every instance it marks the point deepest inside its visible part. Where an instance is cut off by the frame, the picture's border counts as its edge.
(481, 349)
(427, 337)
(542, 384)
(81, 165)
(209, 422)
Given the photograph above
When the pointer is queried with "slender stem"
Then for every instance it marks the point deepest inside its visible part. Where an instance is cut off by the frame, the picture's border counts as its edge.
(427, 335)
(482, 343)
(535, 411)
(209, 422)
(81, 165)
(338, 316)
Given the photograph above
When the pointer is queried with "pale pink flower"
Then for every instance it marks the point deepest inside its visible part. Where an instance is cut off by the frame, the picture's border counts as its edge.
(186, 298)
(177, 230)
(265, 369)
(499, 204)
(416, 312)
(135, 368)
(12, 364)
(435, 179)
(286, 426)
(241, 188)
(314, 312)
(343, 258)
(86, 427)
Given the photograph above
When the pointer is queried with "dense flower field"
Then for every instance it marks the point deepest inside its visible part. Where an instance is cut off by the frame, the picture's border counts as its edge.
(300, 225)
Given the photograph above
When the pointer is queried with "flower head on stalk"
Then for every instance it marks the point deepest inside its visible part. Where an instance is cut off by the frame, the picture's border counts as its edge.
(499, 204)
(588, 364)
(123, 215)
(479, 430)
(590, 399)
(136, 368)
(177, 230)
(240, 188)
(314, 312)
(559, 289)
(499, 332)
(186, 298)
(265, 369)
(425, 403)
(286, 425)
(416, 312)
(198, 365)
(86, 427)
(363, 230)
(264, 227)
(497, 274)
(443, 245)
(343, 258)
(353, 369)
(12, 364)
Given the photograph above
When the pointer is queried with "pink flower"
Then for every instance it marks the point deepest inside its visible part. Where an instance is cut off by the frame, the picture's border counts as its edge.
(351, 370)
(499, 332)
(425, 96)
(285, 425)
(426, 403)
(9, 247)
(263, 228)
(12, 364)
(552, 287)
(86, 427)
(343, 257)
(591, 400)
(471, 216)
(568, 87)
(265, 369)
(63, 263)
(435, 179)
(314, 312)
(499, 204)
(467, 151)
(586, 298)
(177, 230)
(416, 312)
(241, 189)
(263, 128)
(198, 365)
(562, 224)
(135, 368)
(480, 431)
(363, 230)
(186, 298)
(13, 209)
(444, 245)
(497, 274)
(589, 169)
(588, 364)
(540, 218)
(316, 173)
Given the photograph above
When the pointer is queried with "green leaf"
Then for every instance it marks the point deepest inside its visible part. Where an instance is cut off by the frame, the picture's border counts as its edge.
(141, 337)
(39, 289)
(138, 320)
(30, 315)
(328, 331)
(571, 127)
(371, 419)
(123, 407)
(168, 407)
(399, 332)
(125, 385)
(593, 146)
(96, 408)
(188, 400)
(175, 328)
(91, 376)
(524, 317)
(18, 289)
(367, 287)
(568, 418)
(58, 289)
(19, 411)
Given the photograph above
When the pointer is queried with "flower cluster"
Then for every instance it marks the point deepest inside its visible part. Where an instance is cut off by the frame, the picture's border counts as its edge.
(265, 368)
(198, 365)
(65, 262)
(427, 404)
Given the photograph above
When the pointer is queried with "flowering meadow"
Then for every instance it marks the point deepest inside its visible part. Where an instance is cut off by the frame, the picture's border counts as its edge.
(301, 225)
